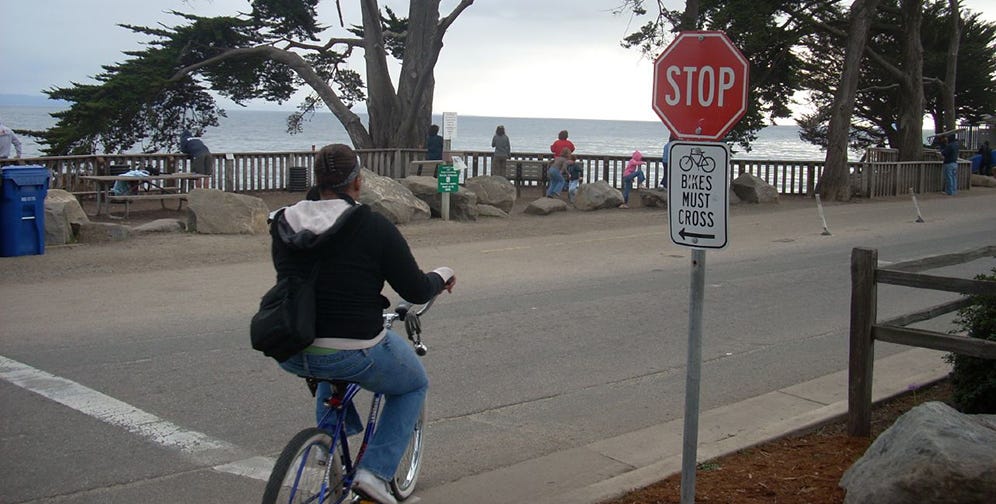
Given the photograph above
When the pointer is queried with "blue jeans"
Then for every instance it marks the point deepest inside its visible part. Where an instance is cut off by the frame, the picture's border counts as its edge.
(950, 178)
(391, 368)
(628, 183)
(556, 181)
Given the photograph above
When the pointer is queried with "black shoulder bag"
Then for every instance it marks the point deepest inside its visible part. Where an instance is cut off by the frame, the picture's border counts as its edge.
(285, 322)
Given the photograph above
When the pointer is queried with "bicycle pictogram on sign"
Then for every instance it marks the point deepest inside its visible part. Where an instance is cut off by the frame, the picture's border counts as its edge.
(698, 159)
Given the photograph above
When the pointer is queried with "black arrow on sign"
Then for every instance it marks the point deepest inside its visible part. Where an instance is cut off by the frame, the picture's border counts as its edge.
(685, 234)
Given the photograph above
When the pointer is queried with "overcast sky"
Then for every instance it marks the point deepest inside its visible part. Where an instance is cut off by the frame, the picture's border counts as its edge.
(508, 58)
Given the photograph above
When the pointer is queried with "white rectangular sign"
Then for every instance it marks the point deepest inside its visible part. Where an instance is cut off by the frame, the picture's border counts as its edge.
(449, 125)
(698, 191)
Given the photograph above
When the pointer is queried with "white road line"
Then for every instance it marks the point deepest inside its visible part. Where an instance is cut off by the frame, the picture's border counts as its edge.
(199, 446)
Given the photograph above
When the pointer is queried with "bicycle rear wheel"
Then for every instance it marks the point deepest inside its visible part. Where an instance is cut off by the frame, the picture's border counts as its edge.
(301, 469)
(406, 476)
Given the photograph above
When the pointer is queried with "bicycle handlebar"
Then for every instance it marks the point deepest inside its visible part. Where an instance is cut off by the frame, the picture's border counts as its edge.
(413, 323)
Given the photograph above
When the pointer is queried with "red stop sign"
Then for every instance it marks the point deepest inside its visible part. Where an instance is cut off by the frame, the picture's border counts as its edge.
(700, 85)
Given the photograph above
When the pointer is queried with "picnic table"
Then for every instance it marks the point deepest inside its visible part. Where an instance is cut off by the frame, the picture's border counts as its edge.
(415, 167)
(527, 170)
(166, 186)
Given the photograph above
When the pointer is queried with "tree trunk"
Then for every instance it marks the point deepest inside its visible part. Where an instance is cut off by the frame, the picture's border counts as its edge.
(690, 18)
(835, 182)
(383, 106)
(911, 85)
(951, 68)
(417, 81)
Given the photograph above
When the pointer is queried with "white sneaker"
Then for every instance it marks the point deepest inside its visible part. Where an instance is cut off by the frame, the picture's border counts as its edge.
(373, 487)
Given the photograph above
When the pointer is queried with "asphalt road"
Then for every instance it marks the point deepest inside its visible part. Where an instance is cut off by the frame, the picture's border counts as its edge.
(142, 386)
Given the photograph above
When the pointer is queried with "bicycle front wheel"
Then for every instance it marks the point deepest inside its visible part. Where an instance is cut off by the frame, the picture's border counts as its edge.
(406, 476)
(300, 473)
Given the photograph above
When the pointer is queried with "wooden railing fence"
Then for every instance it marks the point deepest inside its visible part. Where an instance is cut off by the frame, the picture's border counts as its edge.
(880, 176)
(866, 329)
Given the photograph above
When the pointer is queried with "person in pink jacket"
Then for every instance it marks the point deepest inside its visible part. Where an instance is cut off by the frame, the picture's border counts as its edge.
(633, 171)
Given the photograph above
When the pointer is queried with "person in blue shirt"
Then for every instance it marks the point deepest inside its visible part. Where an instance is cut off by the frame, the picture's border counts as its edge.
(949, 164)
(433, 149)
(664, 159)
(575, 172)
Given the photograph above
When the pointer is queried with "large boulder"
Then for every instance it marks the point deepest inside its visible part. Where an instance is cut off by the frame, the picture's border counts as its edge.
(74, 211)
(932, 454)
(654, 198)
(597, 195)
(753, 189)
(211, 211)
(734, 199)
(161, 226)
(62, 210)
(491, 211)
(546, 206)
(983, 180)
(100, 232)
(391, 199)
(463, 203)
(493, 190)
(58, 231)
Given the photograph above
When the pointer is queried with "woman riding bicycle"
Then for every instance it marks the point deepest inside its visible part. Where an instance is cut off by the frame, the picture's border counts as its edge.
(356, 251)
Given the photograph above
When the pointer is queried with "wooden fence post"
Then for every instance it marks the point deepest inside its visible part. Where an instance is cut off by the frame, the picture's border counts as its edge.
(864, 307)
(228, 184)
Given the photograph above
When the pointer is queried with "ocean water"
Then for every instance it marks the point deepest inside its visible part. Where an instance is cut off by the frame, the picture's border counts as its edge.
(265, 131)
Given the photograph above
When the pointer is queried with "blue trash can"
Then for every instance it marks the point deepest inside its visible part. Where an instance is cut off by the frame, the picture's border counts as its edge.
(22, 210)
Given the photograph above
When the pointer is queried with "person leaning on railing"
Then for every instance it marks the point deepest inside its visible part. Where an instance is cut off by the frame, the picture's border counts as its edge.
(7, 139)
(201, 161)
(503, 149)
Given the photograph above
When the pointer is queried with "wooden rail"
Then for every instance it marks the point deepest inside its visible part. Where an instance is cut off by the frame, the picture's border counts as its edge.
(266, 171)
(865, 329)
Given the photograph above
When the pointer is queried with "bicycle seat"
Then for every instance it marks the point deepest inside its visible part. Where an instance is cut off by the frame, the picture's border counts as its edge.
(338, 386)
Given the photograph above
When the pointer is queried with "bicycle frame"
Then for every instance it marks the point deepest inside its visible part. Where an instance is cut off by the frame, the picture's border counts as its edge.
(339, 402)
(340, 440)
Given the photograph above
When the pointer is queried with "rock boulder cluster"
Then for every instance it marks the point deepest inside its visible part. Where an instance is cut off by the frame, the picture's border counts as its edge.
(210, 211)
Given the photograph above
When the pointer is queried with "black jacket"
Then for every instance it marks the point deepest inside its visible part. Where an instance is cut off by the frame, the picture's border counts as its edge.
(358, 251)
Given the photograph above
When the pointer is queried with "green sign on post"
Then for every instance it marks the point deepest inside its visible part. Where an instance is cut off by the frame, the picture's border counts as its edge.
(448, 179)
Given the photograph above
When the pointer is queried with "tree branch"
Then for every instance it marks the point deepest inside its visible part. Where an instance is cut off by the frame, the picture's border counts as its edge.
(445, 22)
(295, 62)
(351, 42)
(878, 88)
(874, 56)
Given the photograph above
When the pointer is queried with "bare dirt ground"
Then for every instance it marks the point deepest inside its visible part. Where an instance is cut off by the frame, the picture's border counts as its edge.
(798, 469)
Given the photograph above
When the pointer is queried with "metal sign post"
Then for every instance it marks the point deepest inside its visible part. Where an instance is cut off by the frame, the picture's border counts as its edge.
(447, 182)
(690, 436)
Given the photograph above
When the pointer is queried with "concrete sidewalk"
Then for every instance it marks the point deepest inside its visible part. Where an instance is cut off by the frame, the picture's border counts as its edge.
(610, 467)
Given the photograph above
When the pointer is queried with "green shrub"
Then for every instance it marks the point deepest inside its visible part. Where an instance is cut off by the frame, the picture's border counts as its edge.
(974, 379)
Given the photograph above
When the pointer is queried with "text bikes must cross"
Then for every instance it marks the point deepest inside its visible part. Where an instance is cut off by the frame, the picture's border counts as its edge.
(698, 194)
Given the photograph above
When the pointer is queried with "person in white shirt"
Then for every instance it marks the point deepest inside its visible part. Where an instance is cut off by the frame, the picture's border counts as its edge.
(8, 138)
